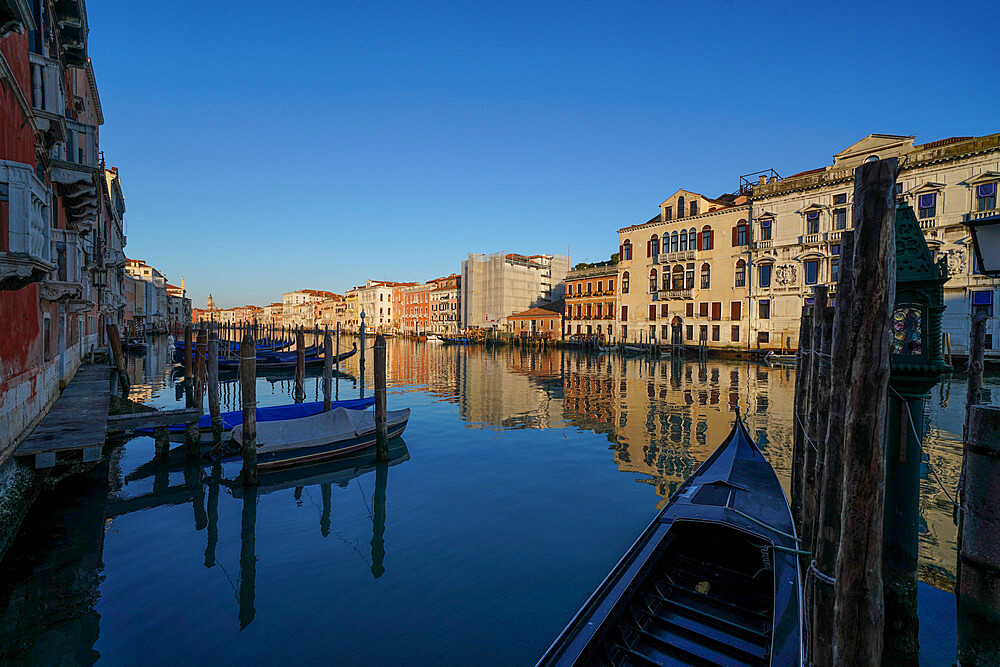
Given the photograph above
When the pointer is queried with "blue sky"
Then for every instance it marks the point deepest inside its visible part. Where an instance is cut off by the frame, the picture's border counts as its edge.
(271, 146)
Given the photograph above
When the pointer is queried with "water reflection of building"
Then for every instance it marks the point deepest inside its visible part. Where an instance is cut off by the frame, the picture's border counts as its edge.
(665, 418)
(148, 372)
(510, 388)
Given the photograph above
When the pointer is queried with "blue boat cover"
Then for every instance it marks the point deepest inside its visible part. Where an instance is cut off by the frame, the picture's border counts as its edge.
(271, 414)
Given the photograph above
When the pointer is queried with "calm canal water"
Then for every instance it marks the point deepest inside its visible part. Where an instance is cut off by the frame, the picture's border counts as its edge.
(521, 479)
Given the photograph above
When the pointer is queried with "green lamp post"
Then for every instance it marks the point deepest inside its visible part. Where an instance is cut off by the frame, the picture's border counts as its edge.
(916, 364)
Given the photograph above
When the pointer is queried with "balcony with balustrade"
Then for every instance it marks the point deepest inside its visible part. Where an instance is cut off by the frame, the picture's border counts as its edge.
(670, 294)
(48, 99)
(28, 253)
(65, 282)
(75, 167)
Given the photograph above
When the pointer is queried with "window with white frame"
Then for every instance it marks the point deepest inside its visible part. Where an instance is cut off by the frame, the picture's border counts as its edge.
(986, 196)
(927, 205)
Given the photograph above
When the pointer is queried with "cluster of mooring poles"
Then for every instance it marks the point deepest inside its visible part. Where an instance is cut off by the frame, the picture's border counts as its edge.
(868, 355)
(201, 371)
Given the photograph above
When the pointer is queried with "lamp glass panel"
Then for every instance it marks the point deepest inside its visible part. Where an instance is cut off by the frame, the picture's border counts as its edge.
(988, 237)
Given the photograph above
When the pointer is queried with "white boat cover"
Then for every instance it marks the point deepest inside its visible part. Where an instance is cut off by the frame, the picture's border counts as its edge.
(321, 429)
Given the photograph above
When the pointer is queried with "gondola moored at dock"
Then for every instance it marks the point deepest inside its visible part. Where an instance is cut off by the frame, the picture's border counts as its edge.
(713, 580)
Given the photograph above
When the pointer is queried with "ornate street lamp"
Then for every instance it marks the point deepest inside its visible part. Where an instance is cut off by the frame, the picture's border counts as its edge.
(916, 364)
(986, 242)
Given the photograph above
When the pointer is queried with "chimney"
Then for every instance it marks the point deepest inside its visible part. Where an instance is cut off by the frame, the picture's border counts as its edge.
(763, 179)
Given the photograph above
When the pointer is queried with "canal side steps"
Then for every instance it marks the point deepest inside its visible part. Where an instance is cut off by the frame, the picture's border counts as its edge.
(79, 421)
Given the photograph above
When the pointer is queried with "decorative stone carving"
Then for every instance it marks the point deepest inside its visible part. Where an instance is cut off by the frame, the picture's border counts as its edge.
(956, 260)
(785, 274)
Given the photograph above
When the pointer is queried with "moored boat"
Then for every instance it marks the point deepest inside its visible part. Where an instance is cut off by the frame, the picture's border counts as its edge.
(264, 414)
(308, 440)
(780, 359)
(714, 579)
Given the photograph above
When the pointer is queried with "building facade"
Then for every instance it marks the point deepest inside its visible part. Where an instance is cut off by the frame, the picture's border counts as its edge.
(154, 318)
(375, 300)
(798, 222)
(179, 311)
(501, 284)
(682, 275)
(298, 308)
(445, 303)
(416, 308)
(540, 322)
(591, 300)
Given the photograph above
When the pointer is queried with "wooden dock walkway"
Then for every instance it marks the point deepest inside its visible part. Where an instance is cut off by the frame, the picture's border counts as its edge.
(77, 421)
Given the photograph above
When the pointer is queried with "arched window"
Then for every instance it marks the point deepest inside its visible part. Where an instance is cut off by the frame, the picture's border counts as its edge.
(680, 206)
(678, 276)
(653, 246)
(706, 238)
(625, 283)
(740, 233)
(741, 273)
(652, 280)
(706, 276)
(626, 252)
(692, 239)
(684, 241)
(689, 276)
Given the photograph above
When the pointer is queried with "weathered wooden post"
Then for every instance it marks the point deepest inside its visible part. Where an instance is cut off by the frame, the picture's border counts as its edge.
(327, 371)
(818, 377)
(381, 434)
(300, 366)
(979, 555)
(248, 387)
(193, 368)
(213, 388)
(161, 443)
(361, 359)
(800, 412)
(827, 532)
(858, 609)
(188, 359)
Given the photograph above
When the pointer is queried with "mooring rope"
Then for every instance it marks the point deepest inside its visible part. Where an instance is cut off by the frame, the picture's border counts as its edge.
(920, 445)
(825, 578)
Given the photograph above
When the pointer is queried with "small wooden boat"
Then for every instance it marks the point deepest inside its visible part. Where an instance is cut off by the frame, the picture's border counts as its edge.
(434, 338)
(137, 345)
(268, 363)
(780, 359)
(713, 580)
(283, 444)
(450, 340)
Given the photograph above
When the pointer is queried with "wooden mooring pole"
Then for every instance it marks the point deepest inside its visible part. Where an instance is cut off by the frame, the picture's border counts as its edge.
(858, 607)
(327, 371)
(248, 387)
(213, 387)
(819, 587)
(300, 366)
(800, 412)
(979, 554)
(381, 433)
